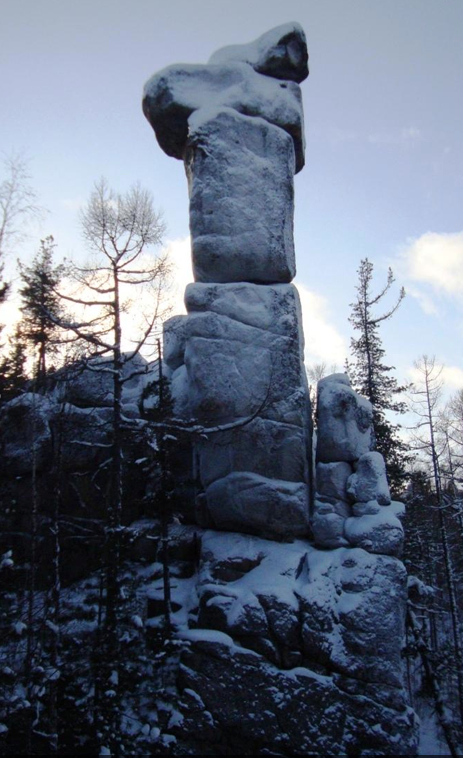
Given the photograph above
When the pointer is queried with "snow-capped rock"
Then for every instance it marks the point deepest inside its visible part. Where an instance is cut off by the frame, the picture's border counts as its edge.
(369, 482)
(280, 52)
(344, 421)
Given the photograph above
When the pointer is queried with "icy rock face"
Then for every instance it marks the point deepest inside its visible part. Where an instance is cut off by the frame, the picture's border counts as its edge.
(241, 210)
(243, 361)
(353, 503)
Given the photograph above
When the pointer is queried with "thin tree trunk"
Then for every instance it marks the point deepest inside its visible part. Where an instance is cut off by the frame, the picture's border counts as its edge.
(441, 710)
(164, 509)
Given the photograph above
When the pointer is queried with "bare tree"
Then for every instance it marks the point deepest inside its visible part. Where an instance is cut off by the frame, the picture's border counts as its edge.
(119, 230)
(426, 395)
(18, 206)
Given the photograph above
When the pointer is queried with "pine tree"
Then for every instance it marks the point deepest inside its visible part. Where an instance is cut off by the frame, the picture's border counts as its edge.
(40, 303)
(371, 377)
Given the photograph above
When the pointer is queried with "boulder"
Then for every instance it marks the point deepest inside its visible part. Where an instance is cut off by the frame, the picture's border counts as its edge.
(274, 308)
(240, 176)
(379, 532)
(258, 505)
(263, 446)
(92, 387)
(280, 52)
(369, 481)
(344, 421)
(172, 95)
(255, 504)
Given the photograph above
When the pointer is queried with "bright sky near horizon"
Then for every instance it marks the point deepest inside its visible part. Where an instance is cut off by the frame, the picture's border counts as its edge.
(384, 163)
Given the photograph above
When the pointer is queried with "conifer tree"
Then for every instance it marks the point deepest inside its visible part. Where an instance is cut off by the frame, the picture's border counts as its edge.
(371, 376)
(40, 302)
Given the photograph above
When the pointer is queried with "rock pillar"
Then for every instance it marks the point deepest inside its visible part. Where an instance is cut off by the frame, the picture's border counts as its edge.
(237, 358)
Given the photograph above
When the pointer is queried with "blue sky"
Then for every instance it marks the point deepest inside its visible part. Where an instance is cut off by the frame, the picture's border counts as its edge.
(384, 166)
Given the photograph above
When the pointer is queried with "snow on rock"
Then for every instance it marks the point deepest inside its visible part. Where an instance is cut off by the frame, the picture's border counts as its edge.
(369, 481)
(172, 95)
(344, 421)
(243, 365)
(345, 432)
(280, 52)
(298, 649)
(380, 532)
(240, 175)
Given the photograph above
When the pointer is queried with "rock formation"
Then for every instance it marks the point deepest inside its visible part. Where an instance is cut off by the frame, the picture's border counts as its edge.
(292, 647)
(237, 123)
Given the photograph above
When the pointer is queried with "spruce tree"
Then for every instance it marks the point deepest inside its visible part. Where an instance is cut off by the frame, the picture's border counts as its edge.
(371, 377)
(41, 306)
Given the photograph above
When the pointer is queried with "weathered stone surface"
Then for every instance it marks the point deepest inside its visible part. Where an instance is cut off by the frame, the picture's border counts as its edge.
(240, 177)
(380, 532)
(327, 523)
(251, 503)
(337, 616)
(297, 712)
(25, 434)
(353, 607)
(274, 308)
(280, 52)
(332, 479)
(175, 93)
(344, 421)
(266, 447)
(254, 371)
(369, 481)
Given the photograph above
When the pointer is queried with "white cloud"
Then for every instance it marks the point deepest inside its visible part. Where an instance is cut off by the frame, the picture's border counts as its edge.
(453, 377)
(405, 136)
(427, 303)
(436, 260)
(73, 204)
(323, 343)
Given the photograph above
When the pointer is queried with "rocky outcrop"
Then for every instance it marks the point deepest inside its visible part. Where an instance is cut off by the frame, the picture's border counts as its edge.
(352, 502)
(288, 646)
(287, 649)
